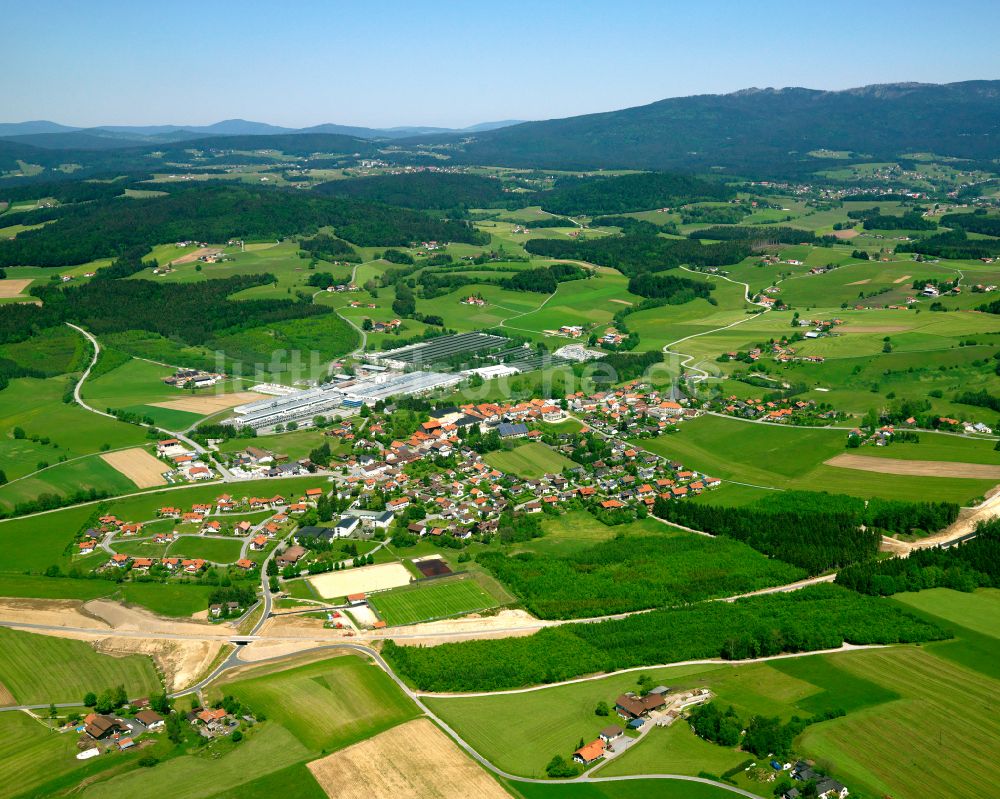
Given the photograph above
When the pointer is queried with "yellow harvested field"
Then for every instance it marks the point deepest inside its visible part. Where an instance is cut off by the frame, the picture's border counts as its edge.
(901, 279)
(210, 403)
(138, 466)
(13, 288)
(865, 463)
(194, 255)
(412, 761)
(843, 234)
(622, 302)
(860, 282)
(361, 580)
(6, 697)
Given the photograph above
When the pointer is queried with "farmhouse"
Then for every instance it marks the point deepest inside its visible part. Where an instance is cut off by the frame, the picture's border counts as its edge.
(611, 733)
(629, 706)
(589, 753)
(101, 727)
(291, 556)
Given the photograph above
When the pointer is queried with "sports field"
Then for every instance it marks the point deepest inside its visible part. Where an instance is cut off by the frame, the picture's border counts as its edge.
(431, 600)
(327, 704)
(412, 761)
(529, 460)
(360, 580)
(41, 668)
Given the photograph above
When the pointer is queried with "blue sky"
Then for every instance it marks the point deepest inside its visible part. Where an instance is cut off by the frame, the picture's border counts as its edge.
(390, 63)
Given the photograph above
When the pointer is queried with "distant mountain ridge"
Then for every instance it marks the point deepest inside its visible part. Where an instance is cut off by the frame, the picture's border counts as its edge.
(53, 135)
(755, 131)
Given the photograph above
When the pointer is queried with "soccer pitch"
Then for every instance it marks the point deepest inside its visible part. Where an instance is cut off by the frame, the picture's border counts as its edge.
(428, 601)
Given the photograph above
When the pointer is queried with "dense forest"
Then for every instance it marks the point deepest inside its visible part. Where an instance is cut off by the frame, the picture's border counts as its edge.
(101, 229)
(766, 133)
(618, 195)
(874, 219)
(632, 254)
(329, 248)
(544, 279)
(953, 244)
(70, 191)
(660, 286)
(962, 567)
(760, 234)
(819, 617)
(421, 190)
(634, 572)
(816, 531)
(976, 222)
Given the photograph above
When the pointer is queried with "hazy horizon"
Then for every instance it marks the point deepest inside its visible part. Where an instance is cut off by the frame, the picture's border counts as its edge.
(448, 65)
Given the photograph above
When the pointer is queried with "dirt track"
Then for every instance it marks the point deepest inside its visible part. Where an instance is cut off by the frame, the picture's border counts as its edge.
(412, 761)
(866, 463)
(138, 466)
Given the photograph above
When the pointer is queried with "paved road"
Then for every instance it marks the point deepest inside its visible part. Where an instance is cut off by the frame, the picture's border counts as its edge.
(80, 401)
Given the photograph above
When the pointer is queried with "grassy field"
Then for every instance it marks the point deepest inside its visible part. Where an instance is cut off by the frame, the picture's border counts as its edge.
(292, 782)
(33, 587)
(677, 750)
(40, 668)
(434, 600)
(571, 532)
(216, 550)
(168, 599)
(36, 542)
(529, 460)
(326, 705)
(267, 750)
(31, 755)
(786, 457)
(36, 406)
(946, 714)
(633, 789)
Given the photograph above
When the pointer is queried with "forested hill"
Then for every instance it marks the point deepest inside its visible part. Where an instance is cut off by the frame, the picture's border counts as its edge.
(104, 227)
(758, 130)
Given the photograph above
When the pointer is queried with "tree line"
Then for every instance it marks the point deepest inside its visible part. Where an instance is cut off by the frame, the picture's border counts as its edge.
(953, 244)
(816, 531)
(818, 617)
(625, 193)
(632, 254)
(962, 567)
(759, 233)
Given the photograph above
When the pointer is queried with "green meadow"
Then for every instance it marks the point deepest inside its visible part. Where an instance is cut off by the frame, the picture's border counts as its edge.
(793, 458)
(215, 550)
(37, 669)
(531, 459)
(326, 705)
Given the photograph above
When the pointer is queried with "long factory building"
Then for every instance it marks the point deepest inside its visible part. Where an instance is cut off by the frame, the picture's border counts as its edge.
(344, 397)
